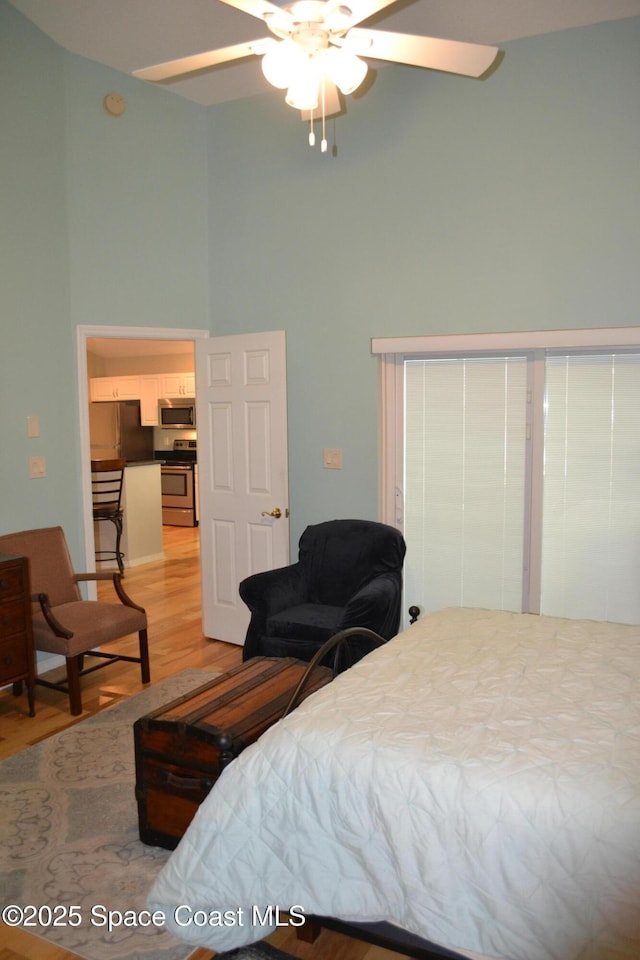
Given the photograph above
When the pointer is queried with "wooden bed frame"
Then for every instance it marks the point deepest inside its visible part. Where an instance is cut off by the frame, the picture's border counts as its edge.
(381, 935)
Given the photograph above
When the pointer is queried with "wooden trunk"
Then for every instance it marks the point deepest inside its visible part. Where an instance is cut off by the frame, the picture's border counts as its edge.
(182, 748)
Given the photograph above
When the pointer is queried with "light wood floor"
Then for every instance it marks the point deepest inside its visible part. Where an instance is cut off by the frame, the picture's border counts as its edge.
(170, 592)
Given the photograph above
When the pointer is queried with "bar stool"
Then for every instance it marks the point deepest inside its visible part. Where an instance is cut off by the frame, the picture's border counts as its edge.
(106, 491)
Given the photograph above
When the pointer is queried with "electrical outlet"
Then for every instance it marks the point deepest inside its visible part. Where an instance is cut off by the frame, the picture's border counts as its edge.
(332, 458)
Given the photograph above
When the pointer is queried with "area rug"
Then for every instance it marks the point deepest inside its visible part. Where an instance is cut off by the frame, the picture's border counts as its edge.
(69, 836)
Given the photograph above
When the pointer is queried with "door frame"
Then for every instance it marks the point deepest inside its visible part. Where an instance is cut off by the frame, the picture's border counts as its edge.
(83, 334)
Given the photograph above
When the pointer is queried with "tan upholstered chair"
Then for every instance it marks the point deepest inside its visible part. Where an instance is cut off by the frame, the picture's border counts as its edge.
(63, 622)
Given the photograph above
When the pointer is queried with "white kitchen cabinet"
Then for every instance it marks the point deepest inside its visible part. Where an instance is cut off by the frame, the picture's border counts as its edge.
(176, 385)
(114, 388)
(149, 396)
(147, 388)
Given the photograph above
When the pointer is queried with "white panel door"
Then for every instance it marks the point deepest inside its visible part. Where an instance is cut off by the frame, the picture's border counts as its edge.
(241, 397)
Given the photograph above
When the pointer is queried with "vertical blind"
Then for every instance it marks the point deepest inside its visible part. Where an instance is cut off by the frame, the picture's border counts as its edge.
(467, 462)
(591, 496)
(465, 430)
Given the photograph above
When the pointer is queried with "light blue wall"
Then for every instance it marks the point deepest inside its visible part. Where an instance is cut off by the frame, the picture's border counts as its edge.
(36, 345)
(452, 205)
(104, 221)
(137, 203)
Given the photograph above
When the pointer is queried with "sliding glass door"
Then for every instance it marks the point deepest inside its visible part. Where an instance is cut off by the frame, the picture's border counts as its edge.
(492, 518)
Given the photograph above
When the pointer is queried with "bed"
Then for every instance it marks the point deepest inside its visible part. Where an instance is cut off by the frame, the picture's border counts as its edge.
(475, 782)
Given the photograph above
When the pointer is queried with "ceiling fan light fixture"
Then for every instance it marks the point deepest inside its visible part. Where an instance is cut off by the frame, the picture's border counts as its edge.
(345, 69)
(304, 89)
(282, 63)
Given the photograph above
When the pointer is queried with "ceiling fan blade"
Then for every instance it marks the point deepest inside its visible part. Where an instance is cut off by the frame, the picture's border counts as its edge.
(452, 56)
(332, 103)
(199, 61)
(359, 9)
(263, 10)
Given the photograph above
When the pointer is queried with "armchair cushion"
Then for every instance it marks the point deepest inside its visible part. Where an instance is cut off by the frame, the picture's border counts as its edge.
(318, 621)
(101, 622)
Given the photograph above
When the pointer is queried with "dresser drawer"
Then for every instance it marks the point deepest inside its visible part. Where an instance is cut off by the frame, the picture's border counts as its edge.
(13, 659)
(12, 619)
(17, 659)
(11, 582)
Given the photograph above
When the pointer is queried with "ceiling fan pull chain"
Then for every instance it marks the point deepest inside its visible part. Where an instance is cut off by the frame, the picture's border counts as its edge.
(312, 136)
(323, 144)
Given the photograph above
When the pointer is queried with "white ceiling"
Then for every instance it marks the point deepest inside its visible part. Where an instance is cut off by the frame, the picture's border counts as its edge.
(130, 34)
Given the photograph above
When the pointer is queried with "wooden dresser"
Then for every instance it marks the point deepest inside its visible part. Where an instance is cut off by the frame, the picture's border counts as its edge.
(17, 658)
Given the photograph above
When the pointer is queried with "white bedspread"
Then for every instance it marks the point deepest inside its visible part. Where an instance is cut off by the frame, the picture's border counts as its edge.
(475, 781)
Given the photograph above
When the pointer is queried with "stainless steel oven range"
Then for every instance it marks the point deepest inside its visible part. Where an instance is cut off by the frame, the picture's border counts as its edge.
(178, 480)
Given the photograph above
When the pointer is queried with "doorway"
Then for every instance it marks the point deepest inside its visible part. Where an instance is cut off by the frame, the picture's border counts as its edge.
(122, 335)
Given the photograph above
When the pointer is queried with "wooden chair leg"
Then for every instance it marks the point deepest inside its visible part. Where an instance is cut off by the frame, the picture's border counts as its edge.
(118, 524)
(17, 691)
(144, 657)
(73, 680)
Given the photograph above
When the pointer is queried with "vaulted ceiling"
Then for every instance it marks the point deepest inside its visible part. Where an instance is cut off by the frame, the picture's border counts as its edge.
(130, 34)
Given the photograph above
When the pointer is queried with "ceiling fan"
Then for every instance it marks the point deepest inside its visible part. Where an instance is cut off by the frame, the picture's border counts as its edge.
(319, 52)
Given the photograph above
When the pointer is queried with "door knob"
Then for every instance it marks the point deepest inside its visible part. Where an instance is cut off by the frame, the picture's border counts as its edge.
(276, 512)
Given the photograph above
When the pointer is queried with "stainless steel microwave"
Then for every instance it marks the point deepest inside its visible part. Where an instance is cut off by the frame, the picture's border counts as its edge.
(177, 414)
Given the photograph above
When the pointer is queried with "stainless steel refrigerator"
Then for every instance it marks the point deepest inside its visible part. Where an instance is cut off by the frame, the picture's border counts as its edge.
(115, 432)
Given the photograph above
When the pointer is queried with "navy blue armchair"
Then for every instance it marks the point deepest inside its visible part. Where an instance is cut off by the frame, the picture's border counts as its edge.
(348, 574)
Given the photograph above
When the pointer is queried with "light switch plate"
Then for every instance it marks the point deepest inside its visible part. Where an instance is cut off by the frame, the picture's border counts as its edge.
(37, 467)
(332, 459)
(33, 426)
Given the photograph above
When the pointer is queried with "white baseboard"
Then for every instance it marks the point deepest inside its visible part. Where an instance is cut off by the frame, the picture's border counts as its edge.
(107, 565)
(49, 662)
(149, 559)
